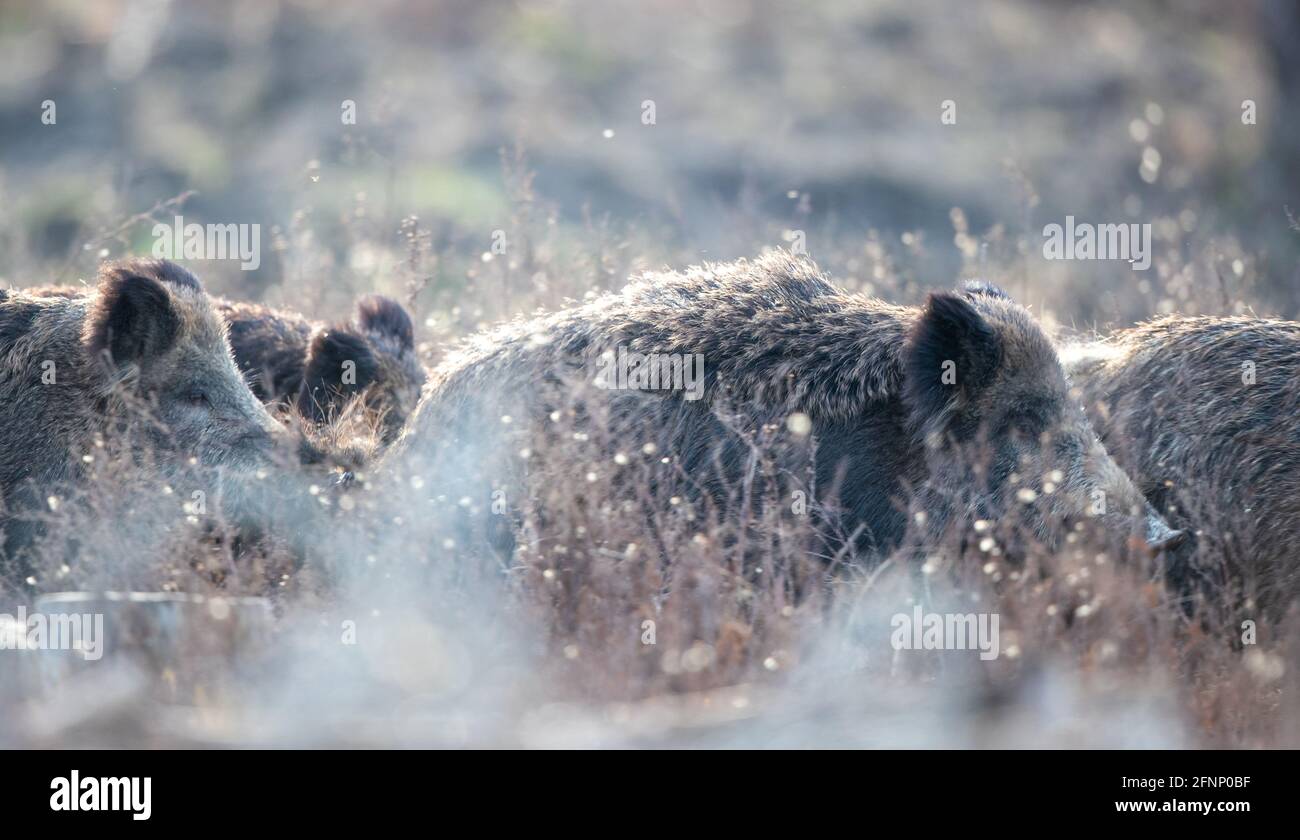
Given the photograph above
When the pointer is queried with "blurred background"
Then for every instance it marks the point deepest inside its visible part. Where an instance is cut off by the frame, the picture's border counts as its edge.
(606, 137)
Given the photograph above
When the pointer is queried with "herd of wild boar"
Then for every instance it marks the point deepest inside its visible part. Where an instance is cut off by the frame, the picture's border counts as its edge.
(900, 425)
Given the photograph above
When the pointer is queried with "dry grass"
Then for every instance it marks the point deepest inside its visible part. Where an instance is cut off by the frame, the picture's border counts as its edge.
(752, 604)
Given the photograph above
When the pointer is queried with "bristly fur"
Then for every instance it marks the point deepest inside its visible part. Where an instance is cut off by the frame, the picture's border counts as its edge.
(778, 338)
(773, 330)
(291, 359)
(325, 380)
(164, 271)
(384, 316)
(1212, 452)
(166, 351)
(984, 287)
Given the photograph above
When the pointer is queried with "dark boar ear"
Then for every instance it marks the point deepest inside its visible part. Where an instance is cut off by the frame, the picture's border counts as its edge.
(339, 364)
(950, 355)
(132, 319)
(385, 316)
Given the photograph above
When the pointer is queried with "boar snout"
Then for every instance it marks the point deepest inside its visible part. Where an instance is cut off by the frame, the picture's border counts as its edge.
(1160, 538)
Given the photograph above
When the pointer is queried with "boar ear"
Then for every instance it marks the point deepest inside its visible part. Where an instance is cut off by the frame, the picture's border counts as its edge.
(385, 316)
(338, 363)
(950, 355)
(132, 319)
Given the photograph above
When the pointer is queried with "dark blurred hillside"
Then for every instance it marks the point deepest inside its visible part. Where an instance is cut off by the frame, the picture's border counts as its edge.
(823, 117)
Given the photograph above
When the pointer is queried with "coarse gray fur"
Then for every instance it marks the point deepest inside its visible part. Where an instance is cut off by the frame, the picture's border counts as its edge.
(892, 438)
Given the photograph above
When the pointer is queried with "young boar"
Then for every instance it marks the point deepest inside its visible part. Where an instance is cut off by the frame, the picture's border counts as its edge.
(950, 412)
(320, 368)
(144, 358)
(1202, 412)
